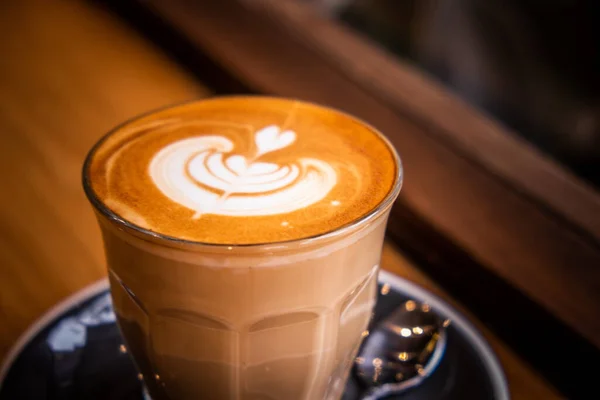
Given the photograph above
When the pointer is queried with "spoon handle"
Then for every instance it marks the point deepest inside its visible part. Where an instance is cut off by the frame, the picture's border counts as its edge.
(388, 389)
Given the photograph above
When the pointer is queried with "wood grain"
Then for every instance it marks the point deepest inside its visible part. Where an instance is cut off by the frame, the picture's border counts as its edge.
(69, 73)
(514, 236)
(472, 133)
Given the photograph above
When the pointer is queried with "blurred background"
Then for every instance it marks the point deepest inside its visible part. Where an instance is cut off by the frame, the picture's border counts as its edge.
(484, 219)
(532, 64)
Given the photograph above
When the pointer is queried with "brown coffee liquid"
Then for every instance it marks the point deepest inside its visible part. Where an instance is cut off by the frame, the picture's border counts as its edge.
(245, 326)
(243, 170)
(276, 321)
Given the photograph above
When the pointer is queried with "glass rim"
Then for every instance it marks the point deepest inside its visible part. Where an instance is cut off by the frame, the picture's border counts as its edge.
(173, 241)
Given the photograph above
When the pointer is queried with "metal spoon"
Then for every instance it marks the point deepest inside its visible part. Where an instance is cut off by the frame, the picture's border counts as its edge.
(402, 351)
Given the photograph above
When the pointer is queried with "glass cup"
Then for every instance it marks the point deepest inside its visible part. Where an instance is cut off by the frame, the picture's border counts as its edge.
(266, 321)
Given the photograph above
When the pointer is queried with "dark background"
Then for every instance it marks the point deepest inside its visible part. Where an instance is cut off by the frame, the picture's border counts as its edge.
(532, 64)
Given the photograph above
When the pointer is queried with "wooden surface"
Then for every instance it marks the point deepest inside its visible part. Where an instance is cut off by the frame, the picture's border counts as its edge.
(473, 134)
(544, 249)
(70, 72)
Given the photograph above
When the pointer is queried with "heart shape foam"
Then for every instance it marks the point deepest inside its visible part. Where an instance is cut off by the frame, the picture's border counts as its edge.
(202, 174)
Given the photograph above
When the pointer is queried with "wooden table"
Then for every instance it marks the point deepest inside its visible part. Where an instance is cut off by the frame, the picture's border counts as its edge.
(68, 73)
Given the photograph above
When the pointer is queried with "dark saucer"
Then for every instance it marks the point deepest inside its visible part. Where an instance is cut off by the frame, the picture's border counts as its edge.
(75, 352)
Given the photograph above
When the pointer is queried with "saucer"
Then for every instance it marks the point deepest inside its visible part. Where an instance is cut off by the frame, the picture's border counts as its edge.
(75, 351)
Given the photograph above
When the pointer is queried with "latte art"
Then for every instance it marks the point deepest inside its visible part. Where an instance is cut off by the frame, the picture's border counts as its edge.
(243, 237)
(204, 174)
(242, 170)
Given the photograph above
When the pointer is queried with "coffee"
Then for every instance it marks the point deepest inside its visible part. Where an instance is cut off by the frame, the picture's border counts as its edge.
(217, 297)
(262, 170)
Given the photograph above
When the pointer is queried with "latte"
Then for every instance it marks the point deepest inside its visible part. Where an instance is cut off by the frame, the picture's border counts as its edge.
(236, 309)
(261, 169)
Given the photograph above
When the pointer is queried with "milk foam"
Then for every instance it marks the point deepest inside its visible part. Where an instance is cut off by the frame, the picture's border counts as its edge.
(207, 175)
(242, 170)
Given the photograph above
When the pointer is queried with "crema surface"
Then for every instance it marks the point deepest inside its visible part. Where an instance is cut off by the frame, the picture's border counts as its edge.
(242, 170)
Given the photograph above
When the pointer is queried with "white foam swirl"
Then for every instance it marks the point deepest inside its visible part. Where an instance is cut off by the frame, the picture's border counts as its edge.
(203, 174)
